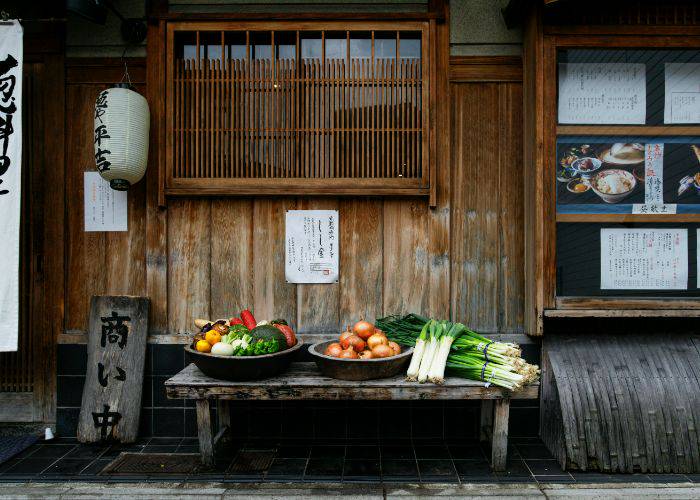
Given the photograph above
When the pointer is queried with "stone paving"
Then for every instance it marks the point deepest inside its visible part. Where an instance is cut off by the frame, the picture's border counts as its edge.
(136, 491)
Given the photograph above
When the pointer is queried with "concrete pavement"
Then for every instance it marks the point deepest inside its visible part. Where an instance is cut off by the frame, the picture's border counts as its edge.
(280, 491)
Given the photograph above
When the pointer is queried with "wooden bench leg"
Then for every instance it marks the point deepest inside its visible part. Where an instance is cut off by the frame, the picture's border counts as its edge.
(499, 441)
(223, 418)
(486, 425)
(206, 439)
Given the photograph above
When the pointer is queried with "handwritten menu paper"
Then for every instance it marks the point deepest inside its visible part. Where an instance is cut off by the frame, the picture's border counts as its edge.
(602, 93)
(311, 246)
(643, 259)
(682, 94)
(653, 183)
(105, 208)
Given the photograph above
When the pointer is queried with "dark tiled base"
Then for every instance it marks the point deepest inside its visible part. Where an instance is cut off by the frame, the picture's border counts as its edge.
(297, 461)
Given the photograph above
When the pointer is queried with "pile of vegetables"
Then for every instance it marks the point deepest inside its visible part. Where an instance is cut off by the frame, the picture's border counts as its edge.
(441, 345)
(363, 341)
(243, 336)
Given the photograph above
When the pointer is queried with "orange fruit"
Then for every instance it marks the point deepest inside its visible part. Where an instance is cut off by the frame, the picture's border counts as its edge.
(203, 346)
(213, 337)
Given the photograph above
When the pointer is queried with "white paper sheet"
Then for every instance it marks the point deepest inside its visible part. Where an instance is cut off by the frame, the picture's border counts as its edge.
(643, 259)
(312, 249)
(682, 93)
(105, 208)
(11, 58)
(608, 93)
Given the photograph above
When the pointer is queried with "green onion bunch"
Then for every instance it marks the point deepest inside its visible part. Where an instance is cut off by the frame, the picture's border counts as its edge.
(440, 345)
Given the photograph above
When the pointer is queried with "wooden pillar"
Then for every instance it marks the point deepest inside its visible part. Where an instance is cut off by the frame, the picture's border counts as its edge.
(206, 441)
(499, 442)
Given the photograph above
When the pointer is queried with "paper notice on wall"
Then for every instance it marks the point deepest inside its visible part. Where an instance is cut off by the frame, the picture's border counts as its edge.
(105, 208)
(682, 93)
(643, 259)
(311, 249)
(602, 93)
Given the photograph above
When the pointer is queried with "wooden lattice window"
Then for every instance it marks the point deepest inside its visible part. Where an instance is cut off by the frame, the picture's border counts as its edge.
(311, 108)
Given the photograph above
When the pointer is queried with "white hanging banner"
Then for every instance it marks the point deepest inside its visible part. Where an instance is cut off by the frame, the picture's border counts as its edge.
(10, 180)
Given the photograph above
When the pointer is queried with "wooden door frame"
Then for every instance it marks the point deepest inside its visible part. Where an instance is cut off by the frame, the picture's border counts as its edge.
(44, 266)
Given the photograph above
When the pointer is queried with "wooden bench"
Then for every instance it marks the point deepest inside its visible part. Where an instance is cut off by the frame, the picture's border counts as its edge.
(304, 382)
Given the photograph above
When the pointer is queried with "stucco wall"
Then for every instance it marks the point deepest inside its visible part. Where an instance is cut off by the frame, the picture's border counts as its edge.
(477, 27)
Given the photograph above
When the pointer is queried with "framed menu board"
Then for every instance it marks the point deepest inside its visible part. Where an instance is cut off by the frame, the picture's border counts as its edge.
(613, 212)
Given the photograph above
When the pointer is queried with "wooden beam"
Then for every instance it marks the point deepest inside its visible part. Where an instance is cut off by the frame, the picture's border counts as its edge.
(465, 69)
(622, 313)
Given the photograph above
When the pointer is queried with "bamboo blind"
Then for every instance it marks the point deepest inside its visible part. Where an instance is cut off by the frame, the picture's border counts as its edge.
(297, 118)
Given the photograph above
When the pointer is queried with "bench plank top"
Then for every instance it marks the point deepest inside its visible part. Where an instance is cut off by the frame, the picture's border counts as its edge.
(304, 381)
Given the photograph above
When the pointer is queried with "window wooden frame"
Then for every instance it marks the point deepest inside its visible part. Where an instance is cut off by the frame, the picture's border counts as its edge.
(334, 186)
(541, 131)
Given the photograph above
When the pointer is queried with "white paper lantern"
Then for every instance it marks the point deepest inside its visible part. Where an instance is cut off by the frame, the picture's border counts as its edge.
(122, 120)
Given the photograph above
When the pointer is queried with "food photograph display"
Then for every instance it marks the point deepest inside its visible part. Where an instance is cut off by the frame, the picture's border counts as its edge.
(628, 177)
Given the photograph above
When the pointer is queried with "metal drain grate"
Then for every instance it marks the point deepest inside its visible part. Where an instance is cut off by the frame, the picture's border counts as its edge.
(252, 461)
(153, 463)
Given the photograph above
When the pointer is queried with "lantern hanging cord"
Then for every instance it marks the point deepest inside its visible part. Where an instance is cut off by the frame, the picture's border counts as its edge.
(125, 76)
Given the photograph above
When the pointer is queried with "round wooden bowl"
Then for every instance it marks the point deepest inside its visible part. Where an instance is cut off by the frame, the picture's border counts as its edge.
(359, 369)
(237, 368)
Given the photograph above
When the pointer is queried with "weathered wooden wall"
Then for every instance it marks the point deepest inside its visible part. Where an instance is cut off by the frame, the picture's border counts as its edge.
(464, 258)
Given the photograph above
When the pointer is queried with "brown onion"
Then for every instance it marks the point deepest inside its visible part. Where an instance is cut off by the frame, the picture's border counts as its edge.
(377, 339)
(363, 329)
(348, 354)
(382, 351)
(345, 335)
(366, 354)
(353, 341)
(395, 347)
(333, 349)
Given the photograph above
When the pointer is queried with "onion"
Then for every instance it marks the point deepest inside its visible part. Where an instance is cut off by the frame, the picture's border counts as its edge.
(377, 339)
(382, 351)
(348, 354)
(367, 354)
(345, 335)
(363, 329)
(353, 341)
(395, 347)
(333, 349)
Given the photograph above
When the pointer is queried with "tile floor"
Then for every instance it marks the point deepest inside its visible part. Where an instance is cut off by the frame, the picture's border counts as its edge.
(301, 461)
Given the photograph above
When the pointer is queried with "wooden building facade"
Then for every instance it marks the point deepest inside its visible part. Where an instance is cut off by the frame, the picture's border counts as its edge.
(461, 224)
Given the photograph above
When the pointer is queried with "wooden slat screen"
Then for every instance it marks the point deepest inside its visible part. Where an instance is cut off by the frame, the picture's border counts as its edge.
(241, 124)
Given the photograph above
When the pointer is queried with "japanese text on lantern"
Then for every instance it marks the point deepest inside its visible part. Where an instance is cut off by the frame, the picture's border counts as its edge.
(101, 132)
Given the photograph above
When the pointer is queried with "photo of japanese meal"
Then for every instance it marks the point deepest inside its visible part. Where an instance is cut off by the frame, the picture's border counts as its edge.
(595, 173)
(691, 183)
(607, 174)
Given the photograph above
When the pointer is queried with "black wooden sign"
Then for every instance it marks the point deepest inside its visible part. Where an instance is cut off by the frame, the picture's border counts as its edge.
(111, 404)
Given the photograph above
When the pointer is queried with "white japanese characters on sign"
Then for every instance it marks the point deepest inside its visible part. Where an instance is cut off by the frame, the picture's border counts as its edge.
(311, 246)
(643, 259)
(602, 93)
(105, 208)
(682, 93)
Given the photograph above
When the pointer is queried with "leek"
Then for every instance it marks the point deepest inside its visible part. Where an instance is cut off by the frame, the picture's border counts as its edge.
(430, 351)
(418, 351)
(437, 367)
